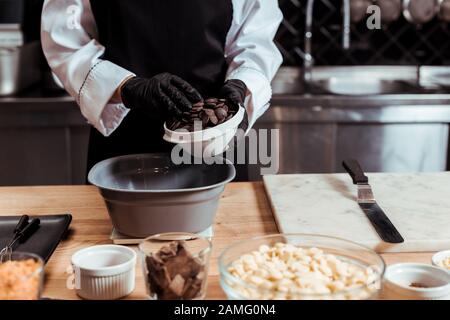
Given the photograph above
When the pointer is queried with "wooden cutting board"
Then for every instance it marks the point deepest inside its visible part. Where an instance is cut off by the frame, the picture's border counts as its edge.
(418, 204)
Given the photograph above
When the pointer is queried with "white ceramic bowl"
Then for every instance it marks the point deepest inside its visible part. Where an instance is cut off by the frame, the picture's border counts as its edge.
(398, 279)
(208, 142)
(439, 257)
(104, 272)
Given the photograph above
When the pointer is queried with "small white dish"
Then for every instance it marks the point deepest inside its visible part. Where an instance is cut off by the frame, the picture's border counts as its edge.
(416, 281)
(104, 272)
(440, 256)
(208, 142)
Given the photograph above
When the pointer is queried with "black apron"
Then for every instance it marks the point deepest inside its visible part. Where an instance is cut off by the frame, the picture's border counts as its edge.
(148, 37)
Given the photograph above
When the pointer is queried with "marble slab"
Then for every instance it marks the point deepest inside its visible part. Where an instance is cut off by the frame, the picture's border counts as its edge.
(418, 204)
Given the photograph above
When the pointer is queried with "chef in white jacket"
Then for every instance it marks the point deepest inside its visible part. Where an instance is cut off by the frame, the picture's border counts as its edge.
(132, 64)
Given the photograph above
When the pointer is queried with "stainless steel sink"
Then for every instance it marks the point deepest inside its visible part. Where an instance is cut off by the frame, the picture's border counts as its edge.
(351, 81)
(288, 81)
(351, 86)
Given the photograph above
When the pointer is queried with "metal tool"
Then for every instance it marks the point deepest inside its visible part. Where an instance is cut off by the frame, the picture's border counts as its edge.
(22, 231)
(444, 10)
(390, 10)
(384, 227)
(420, 11)
(23, 221)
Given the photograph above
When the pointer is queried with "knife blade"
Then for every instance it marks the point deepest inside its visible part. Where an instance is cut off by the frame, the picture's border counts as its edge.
(380, 221)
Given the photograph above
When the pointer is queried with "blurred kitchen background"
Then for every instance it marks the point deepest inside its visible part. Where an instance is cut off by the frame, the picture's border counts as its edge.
(379, 95)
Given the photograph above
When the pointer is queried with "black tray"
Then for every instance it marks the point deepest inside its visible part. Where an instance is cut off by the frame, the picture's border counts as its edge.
(44, 241)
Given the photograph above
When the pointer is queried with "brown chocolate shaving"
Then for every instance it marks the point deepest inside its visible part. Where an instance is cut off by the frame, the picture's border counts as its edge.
(173, 273)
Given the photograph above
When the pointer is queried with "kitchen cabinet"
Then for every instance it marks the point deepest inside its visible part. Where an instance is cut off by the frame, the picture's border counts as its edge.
(394, 147)
(405, 134)
(43, 141)
(297, 141)
(37, 155)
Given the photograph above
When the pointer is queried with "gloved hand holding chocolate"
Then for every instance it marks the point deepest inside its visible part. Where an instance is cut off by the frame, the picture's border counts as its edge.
(163, 95)
(170, 97)
(213, 111)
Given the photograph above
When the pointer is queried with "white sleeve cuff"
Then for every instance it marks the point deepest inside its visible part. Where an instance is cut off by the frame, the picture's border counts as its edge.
(95, 94)
(260, 91)
(111, 118)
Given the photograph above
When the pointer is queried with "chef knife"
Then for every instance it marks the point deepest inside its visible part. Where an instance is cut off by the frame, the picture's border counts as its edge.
(384, 227)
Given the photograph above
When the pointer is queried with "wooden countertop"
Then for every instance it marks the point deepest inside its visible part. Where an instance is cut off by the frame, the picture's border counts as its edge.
(244, 212)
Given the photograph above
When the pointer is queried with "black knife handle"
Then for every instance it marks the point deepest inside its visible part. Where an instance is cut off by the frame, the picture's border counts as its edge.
(23, 221)
(29, 230)
(355, 171)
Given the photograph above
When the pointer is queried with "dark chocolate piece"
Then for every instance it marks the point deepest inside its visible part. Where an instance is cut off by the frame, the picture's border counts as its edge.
(173, 273)
(211, 112)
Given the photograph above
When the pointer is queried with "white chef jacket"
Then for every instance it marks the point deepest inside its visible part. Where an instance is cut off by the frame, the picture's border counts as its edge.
(69, 41)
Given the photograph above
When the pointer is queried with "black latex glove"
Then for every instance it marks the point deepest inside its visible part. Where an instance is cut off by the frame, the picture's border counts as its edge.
(234, 91)
(163, 95)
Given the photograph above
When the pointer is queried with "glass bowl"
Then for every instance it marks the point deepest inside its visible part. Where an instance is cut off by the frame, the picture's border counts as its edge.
(21, 276)
(176, 265)
(350, 253)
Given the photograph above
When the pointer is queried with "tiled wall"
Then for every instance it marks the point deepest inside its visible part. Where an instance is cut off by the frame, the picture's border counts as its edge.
(399, 42)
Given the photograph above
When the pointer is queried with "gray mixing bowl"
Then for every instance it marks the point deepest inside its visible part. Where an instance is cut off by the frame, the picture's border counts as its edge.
(147, 194)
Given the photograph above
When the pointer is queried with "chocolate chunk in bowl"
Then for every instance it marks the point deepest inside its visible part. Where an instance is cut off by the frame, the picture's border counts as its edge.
(175, 266)
(209, 127)
(208, 113)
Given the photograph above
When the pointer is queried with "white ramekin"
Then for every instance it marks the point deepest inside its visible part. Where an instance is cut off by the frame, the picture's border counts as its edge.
(440, 256)
(399, 277)
(104, 272)
(208, 142)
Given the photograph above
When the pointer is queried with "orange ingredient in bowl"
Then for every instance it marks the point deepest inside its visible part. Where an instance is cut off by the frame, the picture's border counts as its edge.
(20, 280)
